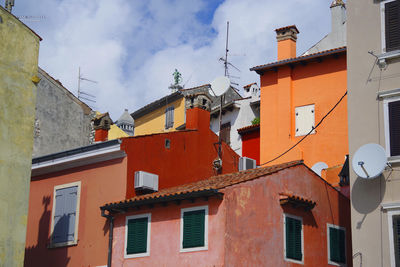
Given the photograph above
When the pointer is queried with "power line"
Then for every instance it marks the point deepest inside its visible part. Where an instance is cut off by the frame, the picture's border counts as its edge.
(304, 137)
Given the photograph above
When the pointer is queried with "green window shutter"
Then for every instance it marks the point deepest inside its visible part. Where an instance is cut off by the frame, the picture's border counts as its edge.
(193, 229)
(293, 238)
(137, 236)
(337, 244)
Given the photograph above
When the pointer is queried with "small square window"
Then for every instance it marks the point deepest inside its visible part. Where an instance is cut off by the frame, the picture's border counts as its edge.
(194, 229)
(137, 239)
(293, 238)
(336, 245)
(305, 120)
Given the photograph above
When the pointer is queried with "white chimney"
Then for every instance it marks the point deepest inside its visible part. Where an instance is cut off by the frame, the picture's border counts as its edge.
(338, 15)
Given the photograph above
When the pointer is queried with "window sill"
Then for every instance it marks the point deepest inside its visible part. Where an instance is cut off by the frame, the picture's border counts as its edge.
(193, 249)
(64, 244)
(382, 58)
(394, 159)
(295, 261)
(139, 255)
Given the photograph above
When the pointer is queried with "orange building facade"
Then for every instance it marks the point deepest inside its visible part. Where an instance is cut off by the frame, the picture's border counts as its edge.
(296, 94)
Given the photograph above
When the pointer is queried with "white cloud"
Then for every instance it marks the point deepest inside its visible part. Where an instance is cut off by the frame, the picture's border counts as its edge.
(132, 47)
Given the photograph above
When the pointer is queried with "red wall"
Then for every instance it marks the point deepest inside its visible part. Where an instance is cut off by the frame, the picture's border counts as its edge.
(188, 159)
(251, 145)
(254, 232)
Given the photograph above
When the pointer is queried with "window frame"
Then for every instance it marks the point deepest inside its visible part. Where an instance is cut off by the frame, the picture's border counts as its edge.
(386, 102)
(284, 238)
(132, 217)
(328, 225)
(78, 196)
(392, 209)
(167, 111)
(383, 29)
(205, 247)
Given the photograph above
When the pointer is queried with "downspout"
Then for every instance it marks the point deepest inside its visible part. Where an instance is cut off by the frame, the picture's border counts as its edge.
(110, 235)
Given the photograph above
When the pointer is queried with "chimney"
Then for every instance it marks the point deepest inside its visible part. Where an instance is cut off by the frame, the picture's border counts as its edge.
(338, 14)
(198, 111)
(101, 125)
(286, 37)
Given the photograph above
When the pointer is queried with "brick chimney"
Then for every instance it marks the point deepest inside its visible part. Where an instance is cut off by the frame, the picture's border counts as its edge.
(286, 37)
(198, 111)
(101, 125)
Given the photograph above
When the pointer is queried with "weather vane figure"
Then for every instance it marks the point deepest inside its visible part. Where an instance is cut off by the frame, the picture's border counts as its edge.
(177, 77)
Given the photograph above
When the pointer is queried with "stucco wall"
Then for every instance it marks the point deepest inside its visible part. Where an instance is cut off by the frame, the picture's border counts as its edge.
(62, 121)
(100, 183)
(19, 48)
(322, 84)
(165, 237)
(371, 245)
(154, 122)
(255, 219)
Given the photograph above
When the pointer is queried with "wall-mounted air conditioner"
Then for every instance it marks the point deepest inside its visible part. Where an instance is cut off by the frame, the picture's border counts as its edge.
(246, 163)
(146, 181)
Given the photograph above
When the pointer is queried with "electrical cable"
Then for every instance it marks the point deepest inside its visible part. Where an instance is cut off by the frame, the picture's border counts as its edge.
(304, 137)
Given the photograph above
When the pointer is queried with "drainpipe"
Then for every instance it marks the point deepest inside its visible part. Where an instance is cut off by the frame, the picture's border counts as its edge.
(110, 235)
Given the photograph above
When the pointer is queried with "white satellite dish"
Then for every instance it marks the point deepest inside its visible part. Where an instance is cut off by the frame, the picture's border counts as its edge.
(369, 161)
(220, 85)
(318, 167)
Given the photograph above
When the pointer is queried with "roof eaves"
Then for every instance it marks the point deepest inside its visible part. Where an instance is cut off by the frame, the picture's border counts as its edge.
(274, 65)
(156, 104)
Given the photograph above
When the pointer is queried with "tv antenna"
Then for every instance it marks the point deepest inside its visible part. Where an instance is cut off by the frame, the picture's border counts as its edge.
(86, 96)
(225, 60)
(369, 161)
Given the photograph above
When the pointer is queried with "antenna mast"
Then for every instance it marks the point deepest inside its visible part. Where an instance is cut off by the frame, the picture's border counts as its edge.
(87, 97)
(226, 49)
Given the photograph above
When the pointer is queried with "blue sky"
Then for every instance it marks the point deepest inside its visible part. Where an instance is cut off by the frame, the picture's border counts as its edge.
(132, 47)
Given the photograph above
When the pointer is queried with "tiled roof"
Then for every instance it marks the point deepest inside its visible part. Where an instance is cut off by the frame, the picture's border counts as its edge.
(287, 27)
(248, 128)
(156, 104)
(287, 198)
(211, 185)
(300, 59)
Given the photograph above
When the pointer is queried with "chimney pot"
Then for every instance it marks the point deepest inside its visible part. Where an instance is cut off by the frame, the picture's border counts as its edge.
(287, 37)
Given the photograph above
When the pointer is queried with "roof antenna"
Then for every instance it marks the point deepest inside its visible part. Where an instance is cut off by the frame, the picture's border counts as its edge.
(86, 96)
(225, 60)
(9, 4)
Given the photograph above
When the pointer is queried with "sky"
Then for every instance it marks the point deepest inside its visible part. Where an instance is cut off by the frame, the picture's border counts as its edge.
(132, 47)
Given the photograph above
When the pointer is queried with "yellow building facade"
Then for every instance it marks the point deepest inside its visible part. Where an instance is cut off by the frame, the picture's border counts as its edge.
(153, 117)
(19, 50)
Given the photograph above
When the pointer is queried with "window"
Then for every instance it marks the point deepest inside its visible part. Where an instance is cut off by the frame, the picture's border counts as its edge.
(137, 235)
(390, 25)
(393, 213)
(169, 117)
(392, 125)
(194, 229)
(65, 215)
(336, 245)
(305, 120)
(293, 238)
(226, 133)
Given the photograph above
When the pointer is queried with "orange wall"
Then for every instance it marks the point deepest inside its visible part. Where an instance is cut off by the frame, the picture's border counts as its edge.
(316, 83)
(100, 184)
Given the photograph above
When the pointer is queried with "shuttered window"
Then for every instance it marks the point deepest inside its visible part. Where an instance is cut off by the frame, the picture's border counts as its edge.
(293, 238)
(337, 245)
(169, 117)
(194, 228)
(394, 127)
(65, 215)
(226, 133)
(396, 238)
(392, 25)
(137, 235)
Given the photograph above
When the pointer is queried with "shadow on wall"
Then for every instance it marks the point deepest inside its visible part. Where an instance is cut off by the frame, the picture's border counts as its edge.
(367, 195)
(41, 254)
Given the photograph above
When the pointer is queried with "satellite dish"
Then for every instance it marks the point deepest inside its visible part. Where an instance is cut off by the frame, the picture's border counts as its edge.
(318, 167)
(369, 161)
(220, 85)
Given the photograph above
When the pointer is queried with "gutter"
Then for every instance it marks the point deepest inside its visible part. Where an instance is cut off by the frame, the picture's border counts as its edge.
(110, 218)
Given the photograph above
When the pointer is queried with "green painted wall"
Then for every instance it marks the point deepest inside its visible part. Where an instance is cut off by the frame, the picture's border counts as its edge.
(19, 49)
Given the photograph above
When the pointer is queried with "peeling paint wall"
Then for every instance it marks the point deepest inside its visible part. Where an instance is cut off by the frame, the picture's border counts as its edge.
(254, 219)
(19, 48)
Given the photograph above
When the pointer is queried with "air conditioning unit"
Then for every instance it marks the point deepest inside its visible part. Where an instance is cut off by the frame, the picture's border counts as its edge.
(146, 181)
(246, 163)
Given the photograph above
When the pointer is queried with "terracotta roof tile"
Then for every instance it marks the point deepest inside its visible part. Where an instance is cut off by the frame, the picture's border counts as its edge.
(248, 128)
(213, 183)
(286, 28)
(248, 85)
